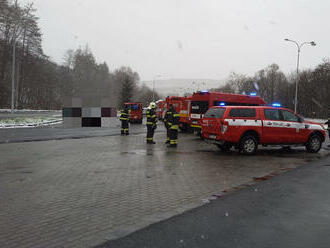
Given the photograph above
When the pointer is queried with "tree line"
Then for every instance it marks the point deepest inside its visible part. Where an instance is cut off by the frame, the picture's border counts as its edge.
(274, 86)
(40, 83)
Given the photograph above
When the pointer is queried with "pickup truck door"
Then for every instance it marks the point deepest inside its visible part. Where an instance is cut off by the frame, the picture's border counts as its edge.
(272, 127)
(292, 127)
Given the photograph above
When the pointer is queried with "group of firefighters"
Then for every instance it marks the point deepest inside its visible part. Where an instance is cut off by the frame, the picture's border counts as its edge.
(171, 122)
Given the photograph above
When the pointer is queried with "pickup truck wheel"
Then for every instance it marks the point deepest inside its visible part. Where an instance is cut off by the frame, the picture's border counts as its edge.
(314, 143)
(248, 145)
(225, 147)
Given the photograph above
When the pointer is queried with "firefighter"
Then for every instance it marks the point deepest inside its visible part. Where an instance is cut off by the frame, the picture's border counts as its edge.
(168, 124)
(174, 120)
(124, 118)
(151, 123)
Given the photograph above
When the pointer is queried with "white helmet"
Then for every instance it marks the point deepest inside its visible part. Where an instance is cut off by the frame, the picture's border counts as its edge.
(152, 105)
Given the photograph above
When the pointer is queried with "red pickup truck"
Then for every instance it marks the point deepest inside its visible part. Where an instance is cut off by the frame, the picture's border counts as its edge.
(245, 127)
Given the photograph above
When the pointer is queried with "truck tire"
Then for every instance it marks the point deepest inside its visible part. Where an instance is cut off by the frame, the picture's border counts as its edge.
(248, 145)
(314, 143)
(225, 147)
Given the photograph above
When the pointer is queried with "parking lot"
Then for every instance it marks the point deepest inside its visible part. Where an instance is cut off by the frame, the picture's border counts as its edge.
(82, 192)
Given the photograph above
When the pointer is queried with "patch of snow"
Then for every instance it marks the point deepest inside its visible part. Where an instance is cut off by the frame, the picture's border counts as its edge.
(28, 110)
(28, 122)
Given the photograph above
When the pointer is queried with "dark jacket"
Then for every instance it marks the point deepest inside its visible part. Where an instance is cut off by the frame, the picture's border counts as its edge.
(174, 119)
(124, 115)
(168, 116)
(151, 117)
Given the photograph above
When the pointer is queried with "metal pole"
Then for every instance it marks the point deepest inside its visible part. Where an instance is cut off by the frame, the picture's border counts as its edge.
(13, 78)
(17, 84)
(312, 43)
(297, 81)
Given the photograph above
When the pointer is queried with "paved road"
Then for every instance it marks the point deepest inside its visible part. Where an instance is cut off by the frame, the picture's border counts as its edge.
(291, 210)
(82, 192)
(13, 135)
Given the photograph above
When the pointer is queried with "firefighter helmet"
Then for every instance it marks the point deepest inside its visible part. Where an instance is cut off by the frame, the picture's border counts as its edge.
(152, 105)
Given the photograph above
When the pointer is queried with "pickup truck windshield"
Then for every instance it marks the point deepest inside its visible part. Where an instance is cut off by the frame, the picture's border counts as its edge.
(215, 113)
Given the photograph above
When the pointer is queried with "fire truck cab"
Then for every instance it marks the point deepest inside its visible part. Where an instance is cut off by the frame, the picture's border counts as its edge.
(160, 110)
(176, 101)
(136, 115)
(201, 101)
(246, 126)
(184, 123)
(182, 105)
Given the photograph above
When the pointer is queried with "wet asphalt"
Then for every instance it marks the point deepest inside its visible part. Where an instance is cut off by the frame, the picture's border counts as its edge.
(289, 210)
(58, 132)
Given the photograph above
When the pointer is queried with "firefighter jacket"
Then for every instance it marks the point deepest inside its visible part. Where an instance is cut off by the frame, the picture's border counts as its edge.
(167, 118)
(151, 117)
(124, 115)
(174, 119)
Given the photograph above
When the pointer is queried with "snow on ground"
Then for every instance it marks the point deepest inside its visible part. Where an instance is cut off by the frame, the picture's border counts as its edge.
(25, 122)
(28, 110)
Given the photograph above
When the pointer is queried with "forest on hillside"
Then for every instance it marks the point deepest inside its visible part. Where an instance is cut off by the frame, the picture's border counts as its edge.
(274, 86)
(39, 82)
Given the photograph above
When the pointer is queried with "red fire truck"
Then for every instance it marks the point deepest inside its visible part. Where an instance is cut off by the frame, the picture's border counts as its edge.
(135, 112)
(185, 115)
(182, 107)
(201, 101)
(161, 108)
(176, 101)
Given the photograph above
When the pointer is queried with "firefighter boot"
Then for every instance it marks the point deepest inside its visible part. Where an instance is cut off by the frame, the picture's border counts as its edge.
(150, 141)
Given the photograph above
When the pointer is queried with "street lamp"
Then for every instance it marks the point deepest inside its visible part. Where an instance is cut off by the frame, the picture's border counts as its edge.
(299, 46)
(153, 86)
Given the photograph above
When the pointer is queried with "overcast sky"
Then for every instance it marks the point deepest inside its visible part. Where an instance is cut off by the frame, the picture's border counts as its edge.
(188, 38)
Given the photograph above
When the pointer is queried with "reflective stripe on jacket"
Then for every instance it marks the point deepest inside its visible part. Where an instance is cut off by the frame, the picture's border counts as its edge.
(174, 119)
(151, 117)
(124, 115)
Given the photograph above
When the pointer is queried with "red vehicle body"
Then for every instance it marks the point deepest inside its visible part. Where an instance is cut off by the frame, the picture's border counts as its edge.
(203, 100)
(185, 120)
(176, 101)
(135, 112)
(245, 127)
(161, 108)
(182, 105)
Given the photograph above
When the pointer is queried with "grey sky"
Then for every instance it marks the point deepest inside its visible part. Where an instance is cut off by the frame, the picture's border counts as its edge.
(188, 38)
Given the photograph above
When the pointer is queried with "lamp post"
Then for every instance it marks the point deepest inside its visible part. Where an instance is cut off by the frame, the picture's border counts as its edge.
(13, 77)
(299, 46)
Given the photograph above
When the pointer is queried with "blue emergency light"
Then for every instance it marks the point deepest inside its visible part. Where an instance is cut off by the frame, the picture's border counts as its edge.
(204, 91)
(222, 104)
(253, 93)
(276, 104)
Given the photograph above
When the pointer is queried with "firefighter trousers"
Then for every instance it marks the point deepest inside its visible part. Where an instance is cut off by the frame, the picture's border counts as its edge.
(150, 133)
(173, 137)
(124, 127)
(167, 135)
